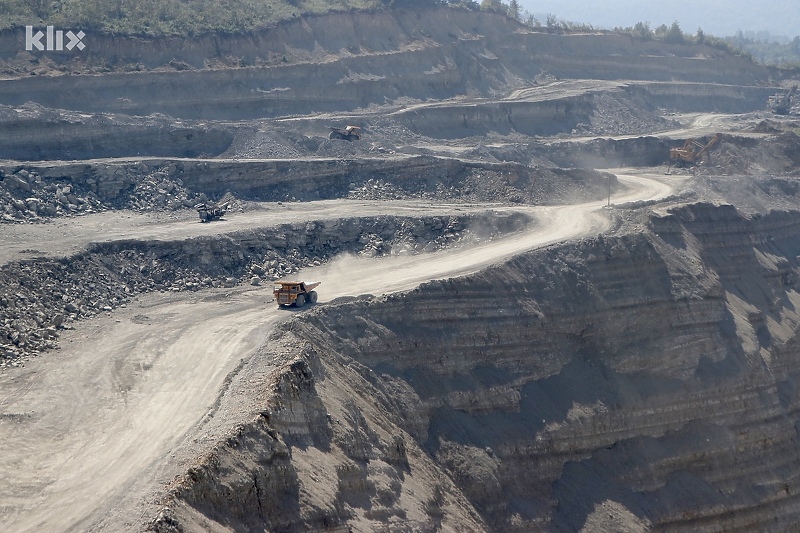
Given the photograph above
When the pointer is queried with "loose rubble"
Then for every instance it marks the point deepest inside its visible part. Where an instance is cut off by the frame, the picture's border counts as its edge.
(28, 196)
(40, 297)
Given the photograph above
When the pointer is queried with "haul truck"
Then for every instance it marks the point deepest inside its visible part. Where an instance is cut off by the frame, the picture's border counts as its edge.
(296, 293)
(211, 212)
(348, 133)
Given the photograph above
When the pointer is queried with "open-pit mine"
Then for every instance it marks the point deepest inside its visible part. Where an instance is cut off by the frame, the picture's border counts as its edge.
(530, 318)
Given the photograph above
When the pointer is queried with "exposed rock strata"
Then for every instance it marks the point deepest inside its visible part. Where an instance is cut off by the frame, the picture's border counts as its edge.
(760, 159)
(649, 378)
(573, 108)
(32, 132)
(41, 296)
(39, 191)
(302, 66)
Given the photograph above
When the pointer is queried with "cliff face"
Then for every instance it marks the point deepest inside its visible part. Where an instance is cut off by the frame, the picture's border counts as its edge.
(344, 61)
(49, 292)
(645, 381)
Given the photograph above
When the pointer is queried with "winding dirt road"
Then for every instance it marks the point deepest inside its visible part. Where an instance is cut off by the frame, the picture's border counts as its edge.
(93, 431)
(64, 237)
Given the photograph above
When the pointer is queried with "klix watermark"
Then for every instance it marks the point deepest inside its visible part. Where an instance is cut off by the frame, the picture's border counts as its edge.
(53, 39)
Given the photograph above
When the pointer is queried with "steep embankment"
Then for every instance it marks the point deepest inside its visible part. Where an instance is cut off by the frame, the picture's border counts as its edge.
(759, 158)
(41, 191)
(645, 380)
(40, 296)
(344, 61)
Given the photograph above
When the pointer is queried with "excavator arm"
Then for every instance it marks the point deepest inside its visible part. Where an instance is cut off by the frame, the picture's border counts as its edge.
(708, 147)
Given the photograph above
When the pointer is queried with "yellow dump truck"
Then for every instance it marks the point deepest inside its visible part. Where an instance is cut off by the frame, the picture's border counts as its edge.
(296, 293)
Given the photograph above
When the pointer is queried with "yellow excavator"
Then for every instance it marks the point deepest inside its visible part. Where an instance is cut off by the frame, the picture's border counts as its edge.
(691, 152)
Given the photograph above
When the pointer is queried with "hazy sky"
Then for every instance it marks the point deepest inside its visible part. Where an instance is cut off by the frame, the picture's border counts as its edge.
(716, 17)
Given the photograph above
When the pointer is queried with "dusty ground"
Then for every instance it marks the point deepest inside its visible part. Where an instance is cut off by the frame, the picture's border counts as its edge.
(94, 429)
(128, 394)
(94, 432)
(65, 237)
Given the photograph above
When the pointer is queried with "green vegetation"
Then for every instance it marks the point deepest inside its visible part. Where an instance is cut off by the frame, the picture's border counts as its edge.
(764, 49)
(674, 34)
(197, 17)
(171, 17)
(769, 50)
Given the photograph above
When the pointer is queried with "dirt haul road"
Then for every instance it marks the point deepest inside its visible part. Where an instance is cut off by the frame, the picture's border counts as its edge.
(64, 237)
(90, 433)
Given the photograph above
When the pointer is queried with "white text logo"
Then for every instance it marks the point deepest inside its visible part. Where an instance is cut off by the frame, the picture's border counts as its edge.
(54, 39)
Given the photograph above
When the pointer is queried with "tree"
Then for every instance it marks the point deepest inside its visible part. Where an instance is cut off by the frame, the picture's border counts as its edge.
(514, 10)
(700, 38)
(674, 34)
(472, 5)
(411, 4)
(642, 29)
(493, 5)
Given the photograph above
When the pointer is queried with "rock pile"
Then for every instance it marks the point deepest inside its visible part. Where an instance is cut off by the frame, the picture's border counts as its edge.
(41, 191)
(29, 196)
(41, 296)
(337, 148)
(376, 189)
(618, 114)
(161, 189)
(264, 145)
(24, 195)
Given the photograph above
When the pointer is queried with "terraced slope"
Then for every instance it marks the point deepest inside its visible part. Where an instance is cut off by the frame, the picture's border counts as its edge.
(643, 381)
(637, 373)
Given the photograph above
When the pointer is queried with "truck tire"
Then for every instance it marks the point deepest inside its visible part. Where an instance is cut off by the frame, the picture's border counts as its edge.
(312, 297)
(300, 301)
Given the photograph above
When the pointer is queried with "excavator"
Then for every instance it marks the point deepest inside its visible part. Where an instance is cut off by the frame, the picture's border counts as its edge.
(783, 103)
(691, 152)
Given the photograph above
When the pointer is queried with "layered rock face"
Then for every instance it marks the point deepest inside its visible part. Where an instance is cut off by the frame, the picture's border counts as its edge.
(40, 191)
(41, 296)
(31, 132)
(343, 61)
(644, 382)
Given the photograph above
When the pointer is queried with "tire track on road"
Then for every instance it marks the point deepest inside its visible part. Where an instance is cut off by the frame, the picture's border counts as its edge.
(89, 455)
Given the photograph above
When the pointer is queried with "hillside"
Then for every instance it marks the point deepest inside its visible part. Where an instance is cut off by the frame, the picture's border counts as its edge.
(170, 17)
(534, 313)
